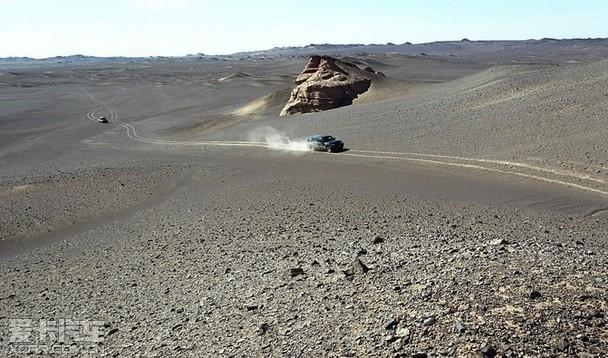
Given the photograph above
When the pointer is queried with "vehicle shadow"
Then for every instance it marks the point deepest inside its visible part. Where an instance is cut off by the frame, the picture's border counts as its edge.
(343, 150)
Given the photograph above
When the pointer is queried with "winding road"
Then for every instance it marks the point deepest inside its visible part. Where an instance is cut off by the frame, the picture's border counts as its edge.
(571, 179)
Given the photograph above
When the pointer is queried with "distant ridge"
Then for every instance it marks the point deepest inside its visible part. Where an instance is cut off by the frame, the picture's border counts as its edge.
(499, 51)
(576, 49)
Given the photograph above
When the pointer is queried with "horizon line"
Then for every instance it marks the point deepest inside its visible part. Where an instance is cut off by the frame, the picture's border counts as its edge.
(407, 43)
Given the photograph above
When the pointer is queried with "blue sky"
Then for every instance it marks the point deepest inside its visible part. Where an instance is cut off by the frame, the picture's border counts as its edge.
(43, 28)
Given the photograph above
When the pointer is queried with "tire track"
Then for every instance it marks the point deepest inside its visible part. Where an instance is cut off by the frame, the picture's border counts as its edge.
(132, 132)
(435, 159)
(497, 162)
(493, 170)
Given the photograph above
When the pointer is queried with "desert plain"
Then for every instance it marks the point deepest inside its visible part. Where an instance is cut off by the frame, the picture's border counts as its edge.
(468, 215)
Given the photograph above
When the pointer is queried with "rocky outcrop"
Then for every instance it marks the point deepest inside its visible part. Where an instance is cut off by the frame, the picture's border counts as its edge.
(327, 83)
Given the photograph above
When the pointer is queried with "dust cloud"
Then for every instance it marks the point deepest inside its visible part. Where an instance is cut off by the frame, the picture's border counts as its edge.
(278, 140)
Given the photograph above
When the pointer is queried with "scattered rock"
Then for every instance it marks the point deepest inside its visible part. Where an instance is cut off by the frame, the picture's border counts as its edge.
(535, 295)
(392, 324)
(498, 242)
(488, 350)
(264, 327)
(402, 332)
(297, 271)
(598, 280)
(561, 344)
(390, 338)
(429, 321)
(419, 355)
(359, 266)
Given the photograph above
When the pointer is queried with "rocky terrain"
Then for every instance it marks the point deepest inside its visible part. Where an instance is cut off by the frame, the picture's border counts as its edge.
(468, 216)
(327, 83)
(305, 267)
(100, 190)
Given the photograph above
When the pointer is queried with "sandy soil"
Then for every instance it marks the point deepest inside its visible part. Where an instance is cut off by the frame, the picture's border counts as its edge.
(467, 218)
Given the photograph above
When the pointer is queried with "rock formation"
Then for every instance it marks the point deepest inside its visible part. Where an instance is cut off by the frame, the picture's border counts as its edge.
(327, 83)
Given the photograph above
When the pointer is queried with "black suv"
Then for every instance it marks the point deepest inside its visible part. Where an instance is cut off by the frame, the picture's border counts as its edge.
(324, 143)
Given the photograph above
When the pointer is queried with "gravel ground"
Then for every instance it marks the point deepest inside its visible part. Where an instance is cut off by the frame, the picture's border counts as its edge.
(276, 263)
(98, 190)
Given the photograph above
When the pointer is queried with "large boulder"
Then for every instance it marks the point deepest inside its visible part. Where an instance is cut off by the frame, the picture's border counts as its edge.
(327, 83)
